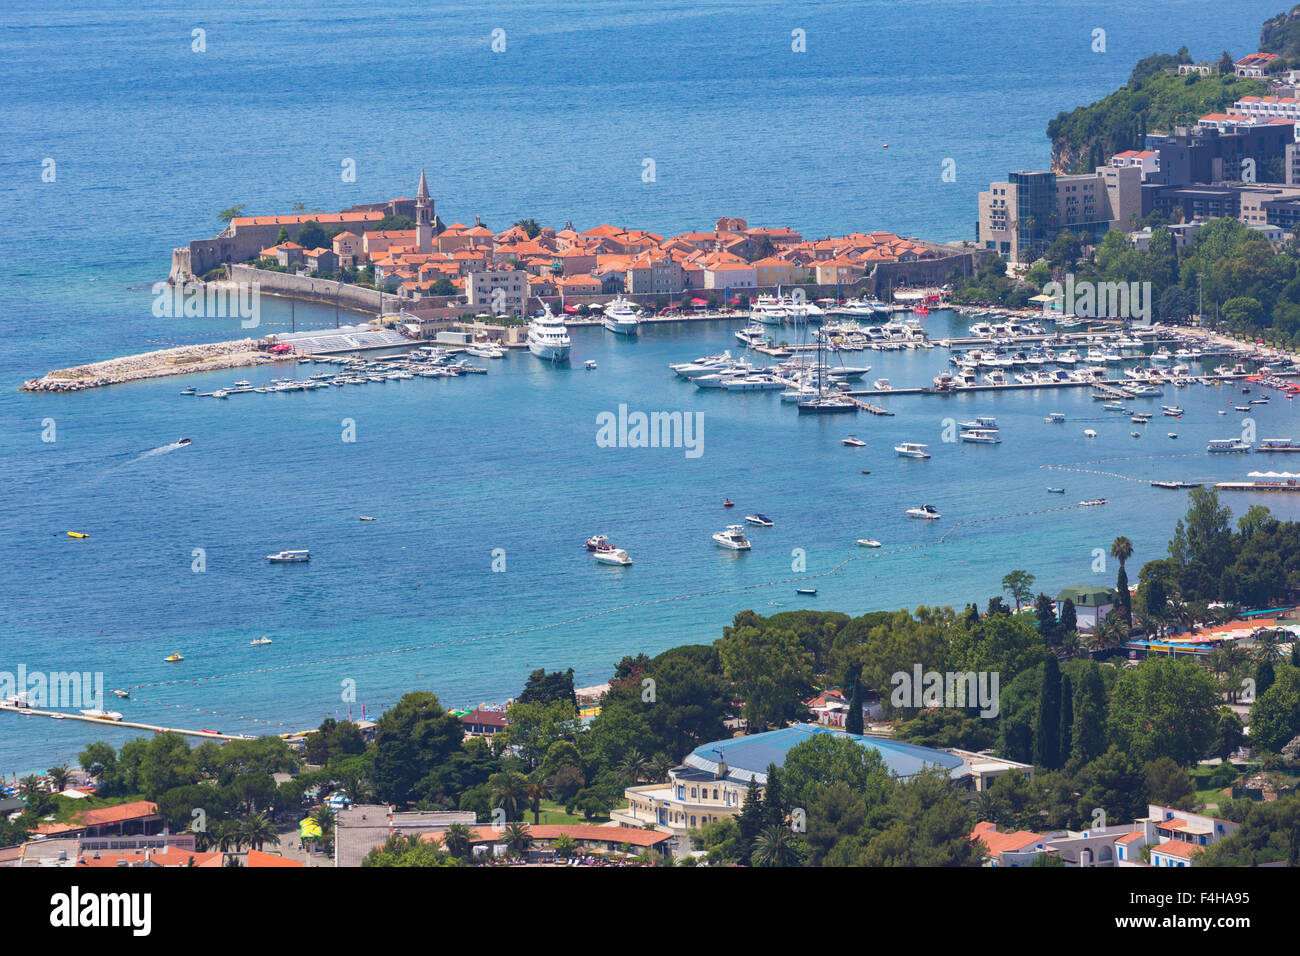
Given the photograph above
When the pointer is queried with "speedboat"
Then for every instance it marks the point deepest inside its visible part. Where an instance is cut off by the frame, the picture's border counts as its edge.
(173, 658)
(1089, 433)
(122, 693)
(598, 542)
(762, 520)
(548, 338)
(1093, 503)
(909, 449)
(259, 641)
(868, 543)
(102, 714)
(853, 442)
(589, 365)
(924, 513)
(733, 538)
(289, 557)
(613, 556)
(1056, 418)
(182, 441)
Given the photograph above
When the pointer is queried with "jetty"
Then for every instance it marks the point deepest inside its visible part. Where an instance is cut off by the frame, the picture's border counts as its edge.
(107, 722)
(209, 357)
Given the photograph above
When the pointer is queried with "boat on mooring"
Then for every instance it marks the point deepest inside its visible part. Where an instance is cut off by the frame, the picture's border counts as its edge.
(924, 513)
(289, 557)
(733, 538)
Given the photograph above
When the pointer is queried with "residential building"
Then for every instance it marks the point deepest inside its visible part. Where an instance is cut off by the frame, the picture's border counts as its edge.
(1254, 65)
(1091, 604)
(503, 291)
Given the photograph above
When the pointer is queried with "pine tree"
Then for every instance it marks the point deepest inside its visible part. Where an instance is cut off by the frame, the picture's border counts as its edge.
(1069, 617)
(1047, 626)
(853, 722)
(751, 818)
(1263, 678)
(1047, 727)
(1067, 717)
(774, 799)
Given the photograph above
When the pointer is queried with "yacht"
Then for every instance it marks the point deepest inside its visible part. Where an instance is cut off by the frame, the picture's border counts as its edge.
(924, 513)
(260, 642)
(768, 310)
(909, 449)
(868, 543)
(1228, 446)
(827, 405)
(882, 385)
(752, 335)
(1278, 444)
(762, 520)
(622, 317)
(548, 338)
(613, 556)
(981, 421)
(981, 436)
(733, 538)
(289, 557)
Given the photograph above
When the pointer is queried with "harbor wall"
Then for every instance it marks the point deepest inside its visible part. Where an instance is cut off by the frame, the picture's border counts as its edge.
(327, 291)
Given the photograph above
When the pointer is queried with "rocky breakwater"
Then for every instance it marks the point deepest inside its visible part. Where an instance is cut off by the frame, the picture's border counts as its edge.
(211, 357)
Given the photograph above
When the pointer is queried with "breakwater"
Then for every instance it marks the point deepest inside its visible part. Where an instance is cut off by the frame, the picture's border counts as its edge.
(209, 357)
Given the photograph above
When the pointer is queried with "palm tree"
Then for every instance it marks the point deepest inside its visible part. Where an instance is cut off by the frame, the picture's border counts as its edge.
(517, 837)
(634, 765)
(456, 838)
(775, 847)
(1111, 631)
(537, 792)
(31, 787)
(256, 830)
(224, 835)
(509, 791)
(1071, 644)
(323, 817)
(1267, 647)
(59, 777)
(1121, 549)
(660, 766)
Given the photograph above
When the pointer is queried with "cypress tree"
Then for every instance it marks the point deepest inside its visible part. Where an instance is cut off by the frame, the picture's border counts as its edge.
(1047, 726)
(774, 799)
(1263, 678)
(1067, 717)
(853, 722)
(1088, 739)
(1124, 599)
(1046, 619)
(1069, 618)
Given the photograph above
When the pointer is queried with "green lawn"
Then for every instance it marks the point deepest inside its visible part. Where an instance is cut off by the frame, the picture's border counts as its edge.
(554, 815)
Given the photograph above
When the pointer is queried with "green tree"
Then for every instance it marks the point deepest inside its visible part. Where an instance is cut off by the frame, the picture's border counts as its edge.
(1047, 729)
(1019, 585)
(1163, 707)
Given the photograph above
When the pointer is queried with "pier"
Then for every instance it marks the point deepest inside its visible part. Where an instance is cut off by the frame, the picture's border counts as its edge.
(106, 722)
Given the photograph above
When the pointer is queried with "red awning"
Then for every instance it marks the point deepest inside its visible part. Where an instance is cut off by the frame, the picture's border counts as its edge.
(699, 301)
(733, 302)
(571, 309)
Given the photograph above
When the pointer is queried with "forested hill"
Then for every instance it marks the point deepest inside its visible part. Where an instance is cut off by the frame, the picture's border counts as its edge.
(1152, 101)
(1281, 34)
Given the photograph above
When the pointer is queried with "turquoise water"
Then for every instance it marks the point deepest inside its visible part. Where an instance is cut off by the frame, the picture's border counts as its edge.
(151, 140)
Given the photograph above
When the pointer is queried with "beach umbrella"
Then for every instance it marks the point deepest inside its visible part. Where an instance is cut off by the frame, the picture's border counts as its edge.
(309, 829)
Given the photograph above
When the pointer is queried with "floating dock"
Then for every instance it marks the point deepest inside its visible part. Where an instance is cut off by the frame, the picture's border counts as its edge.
(106, 722)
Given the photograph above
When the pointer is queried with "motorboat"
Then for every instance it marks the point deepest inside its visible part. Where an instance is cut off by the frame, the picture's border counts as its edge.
(124, 694)
(1278, 444)
(981, 436)
(986, 422)
(924, 513)
(1089, 433)
(173, 658)
(1228, 446)
(182, 441)
(622, 317)
(98, 714)
(548, 338)
(589, 365)
(77, 534)
(762, 520)
(598, 542)
(259, 642)
(882, 385)
(909, 449)
(1095, 502)
(853, 442)
(613, 556)
(1056, 491)
(868, 543)
(289, 557)
(1056, 418)
(1172, 411)
(732, 538)
(366, 518)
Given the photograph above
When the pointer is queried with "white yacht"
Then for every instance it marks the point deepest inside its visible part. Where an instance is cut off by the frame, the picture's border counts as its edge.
(909, 449)
(768, 310)
(622, 317)
(882, 385)
(289, 557)
(924, 513)
(1228, 445)
(981, 436)
(548, 338)
(732, 538)
(612, 556)
(260, 642)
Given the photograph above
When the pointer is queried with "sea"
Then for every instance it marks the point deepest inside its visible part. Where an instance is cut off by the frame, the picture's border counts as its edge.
(130, 126)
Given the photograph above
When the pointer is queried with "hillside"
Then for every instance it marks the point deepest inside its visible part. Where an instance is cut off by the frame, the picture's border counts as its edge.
(1152, 101)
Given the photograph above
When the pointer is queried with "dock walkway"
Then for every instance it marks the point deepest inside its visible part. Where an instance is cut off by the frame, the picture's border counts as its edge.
(104, 721)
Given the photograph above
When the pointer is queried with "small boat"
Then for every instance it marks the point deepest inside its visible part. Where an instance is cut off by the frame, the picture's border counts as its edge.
(1093, 503)
(853, 442)
(56, 716)
(122, 693)
(366, 518)
(868, 543)
(924, 513)
(1056, 418)
(762, 520)
(1056, 491)
(1173, 434)
(589, 365)
(173, 658)
(733, 538)
(77, 534)
(805, 590)
(865, 472)
(1136, 434)
(728, 503)
(289, 557)
(613, 556)
(259, 641)
(211, 733)
(598, 542)
(182, 441)
(97, 714)
(1089, 433)
(912, 450)
(189, 390)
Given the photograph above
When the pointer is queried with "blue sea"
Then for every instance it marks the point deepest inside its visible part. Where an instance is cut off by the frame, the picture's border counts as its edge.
(150, 138)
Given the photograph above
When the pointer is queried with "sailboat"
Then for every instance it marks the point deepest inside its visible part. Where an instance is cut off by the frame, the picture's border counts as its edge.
(825, 404)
